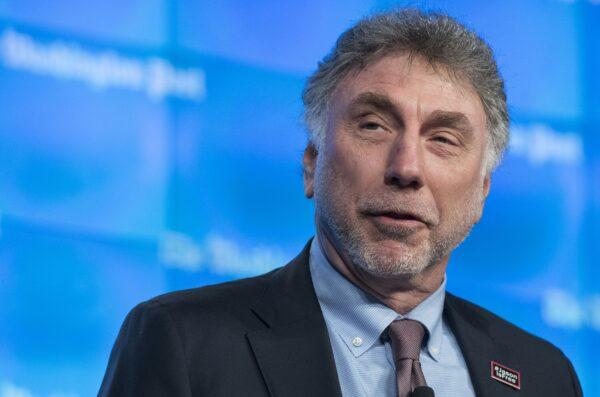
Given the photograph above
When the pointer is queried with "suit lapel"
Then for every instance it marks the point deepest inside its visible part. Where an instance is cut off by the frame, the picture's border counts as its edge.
(294, 352)
(479, 349)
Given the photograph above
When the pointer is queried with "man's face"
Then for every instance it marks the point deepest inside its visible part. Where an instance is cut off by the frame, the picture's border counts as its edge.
(399, 182)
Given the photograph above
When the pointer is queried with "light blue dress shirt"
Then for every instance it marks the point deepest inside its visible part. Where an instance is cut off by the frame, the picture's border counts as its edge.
(363, 359)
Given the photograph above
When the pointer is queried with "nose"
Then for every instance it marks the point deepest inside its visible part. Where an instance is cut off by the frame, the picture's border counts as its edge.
(405, 165)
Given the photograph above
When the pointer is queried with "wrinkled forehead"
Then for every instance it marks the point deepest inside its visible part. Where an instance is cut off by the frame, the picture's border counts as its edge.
(397, 67)
(401, 79)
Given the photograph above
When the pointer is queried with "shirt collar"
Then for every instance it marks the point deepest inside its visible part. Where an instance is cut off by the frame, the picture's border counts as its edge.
(429, 313)
(358, 318)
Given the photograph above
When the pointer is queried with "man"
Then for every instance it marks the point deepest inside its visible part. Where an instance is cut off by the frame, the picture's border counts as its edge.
(407, 119)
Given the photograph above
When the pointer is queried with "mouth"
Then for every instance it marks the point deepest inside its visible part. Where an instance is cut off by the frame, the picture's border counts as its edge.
(403, 219)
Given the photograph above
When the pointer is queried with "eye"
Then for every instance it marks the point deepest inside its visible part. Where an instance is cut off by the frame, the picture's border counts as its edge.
(371, 125)
(444, 139)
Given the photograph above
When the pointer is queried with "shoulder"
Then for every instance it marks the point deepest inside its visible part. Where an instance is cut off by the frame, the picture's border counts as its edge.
(545, 364)
(499, 328)
(226, 302)
(215, 296)
(162, 346)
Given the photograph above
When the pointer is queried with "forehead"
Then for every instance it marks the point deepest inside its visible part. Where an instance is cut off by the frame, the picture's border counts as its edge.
(412, 85)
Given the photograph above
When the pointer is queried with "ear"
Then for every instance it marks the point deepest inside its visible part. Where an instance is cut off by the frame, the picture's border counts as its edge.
(487, 181)
(486, 186)
(309, 163)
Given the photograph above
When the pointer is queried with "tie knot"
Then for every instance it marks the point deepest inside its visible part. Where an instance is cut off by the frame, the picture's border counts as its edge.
(406, 337)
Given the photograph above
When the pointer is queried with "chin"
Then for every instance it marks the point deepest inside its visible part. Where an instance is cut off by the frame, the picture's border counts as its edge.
(387, 262)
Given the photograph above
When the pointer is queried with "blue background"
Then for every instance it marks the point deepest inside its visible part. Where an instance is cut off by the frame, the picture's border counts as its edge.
(120, 186)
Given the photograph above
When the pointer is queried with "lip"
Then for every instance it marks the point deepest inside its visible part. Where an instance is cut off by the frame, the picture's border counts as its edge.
(397, 219)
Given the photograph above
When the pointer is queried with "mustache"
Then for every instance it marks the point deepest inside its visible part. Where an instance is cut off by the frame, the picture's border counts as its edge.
(399, 208)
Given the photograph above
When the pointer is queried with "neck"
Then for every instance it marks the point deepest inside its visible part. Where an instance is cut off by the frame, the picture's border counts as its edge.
(401, 293)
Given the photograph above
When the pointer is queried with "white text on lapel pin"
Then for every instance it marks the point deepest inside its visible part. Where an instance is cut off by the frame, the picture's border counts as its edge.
(508, 376)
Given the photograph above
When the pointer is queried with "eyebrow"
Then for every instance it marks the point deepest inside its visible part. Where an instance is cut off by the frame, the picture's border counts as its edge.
(438, 118)
(378, 101)
(455, 120)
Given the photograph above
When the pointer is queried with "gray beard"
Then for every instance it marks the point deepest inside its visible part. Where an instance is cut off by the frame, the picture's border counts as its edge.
(367, 254)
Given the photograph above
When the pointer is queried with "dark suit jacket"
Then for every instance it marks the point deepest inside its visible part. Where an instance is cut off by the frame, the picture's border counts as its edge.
(266, 336)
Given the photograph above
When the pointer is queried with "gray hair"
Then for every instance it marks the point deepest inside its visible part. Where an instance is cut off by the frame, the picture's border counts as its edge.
(439, 39)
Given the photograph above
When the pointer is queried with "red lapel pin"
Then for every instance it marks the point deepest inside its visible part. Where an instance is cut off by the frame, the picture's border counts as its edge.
(506, 375)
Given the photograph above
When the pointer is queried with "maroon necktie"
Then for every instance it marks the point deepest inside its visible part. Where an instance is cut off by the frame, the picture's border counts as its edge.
(406, 337)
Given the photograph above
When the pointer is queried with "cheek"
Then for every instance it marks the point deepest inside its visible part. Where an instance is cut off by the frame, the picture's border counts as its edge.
(332, 165)
(356, 166)
(456, 187)
(462, 199)
(457, 174)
